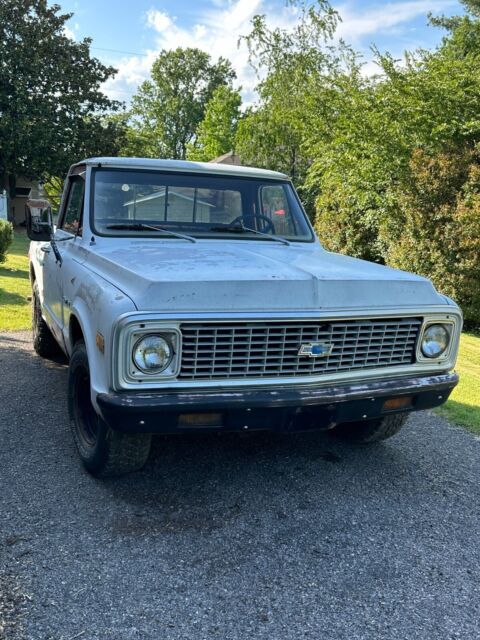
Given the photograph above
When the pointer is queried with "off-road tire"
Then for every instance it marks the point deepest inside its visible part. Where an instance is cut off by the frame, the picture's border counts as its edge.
(368, 431)
(103, 451)
(43, 341)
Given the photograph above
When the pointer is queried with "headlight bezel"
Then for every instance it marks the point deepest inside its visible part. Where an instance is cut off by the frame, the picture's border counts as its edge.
(157, 371)
(125, 372)
(450, 326)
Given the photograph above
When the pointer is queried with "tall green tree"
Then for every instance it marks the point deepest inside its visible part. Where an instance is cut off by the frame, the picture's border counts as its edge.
(51, 102)
(167, 110)
(215, 135)
(298, 71)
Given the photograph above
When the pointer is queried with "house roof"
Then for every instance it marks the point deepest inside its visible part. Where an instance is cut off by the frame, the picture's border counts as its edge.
(227, 158)
(161, 194)
(210, 168)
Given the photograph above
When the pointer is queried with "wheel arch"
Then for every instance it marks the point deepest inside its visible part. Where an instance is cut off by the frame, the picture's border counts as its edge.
(78, 327)
(91, 318)
(75, 331)
(81, 327)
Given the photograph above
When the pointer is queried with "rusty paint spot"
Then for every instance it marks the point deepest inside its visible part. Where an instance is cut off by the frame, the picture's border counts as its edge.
(100, 342)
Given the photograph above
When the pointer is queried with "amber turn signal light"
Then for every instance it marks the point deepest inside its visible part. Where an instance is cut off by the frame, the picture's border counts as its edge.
(200, 420)
(400, 402)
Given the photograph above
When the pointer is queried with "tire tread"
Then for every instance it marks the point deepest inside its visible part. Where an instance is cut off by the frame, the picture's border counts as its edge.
(371, 431)
(115, 453)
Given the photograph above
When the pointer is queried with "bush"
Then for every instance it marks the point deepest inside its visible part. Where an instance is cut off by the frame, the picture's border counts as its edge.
(438, 232)
(6, 239)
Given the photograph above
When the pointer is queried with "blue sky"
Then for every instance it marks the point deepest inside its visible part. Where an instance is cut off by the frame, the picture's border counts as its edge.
(129, 34)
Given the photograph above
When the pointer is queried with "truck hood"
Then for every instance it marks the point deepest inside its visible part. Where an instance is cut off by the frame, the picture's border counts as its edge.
(244, 275)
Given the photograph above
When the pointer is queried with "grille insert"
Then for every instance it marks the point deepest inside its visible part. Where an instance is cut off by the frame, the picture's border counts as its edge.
(240, 350)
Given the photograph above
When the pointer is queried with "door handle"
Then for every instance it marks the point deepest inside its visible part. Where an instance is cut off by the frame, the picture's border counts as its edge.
(45, 249)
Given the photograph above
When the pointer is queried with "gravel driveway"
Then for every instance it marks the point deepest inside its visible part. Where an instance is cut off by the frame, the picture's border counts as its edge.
(232, 537)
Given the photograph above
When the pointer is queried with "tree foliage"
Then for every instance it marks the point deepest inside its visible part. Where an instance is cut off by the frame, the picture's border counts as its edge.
(215, 134)
(430, 102)
(51, 103)
(167, 110)
(437, 232)
(389, 163)
(300, 70)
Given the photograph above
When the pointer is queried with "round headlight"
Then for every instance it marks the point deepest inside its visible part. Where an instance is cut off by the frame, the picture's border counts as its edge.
(435, 340)
(152, 354)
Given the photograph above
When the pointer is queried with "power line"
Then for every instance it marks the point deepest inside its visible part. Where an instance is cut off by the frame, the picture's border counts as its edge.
(131, 53)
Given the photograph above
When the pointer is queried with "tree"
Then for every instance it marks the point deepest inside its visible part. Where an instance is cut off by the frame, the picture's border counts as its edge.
(355, 166)
(298, 69)
(51, 105)
(167, 109)
(215, 135)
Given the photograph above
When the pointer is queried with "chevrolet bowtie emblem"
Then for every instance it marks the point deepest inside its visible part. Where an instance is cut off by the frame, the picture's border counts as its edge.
(315, 349)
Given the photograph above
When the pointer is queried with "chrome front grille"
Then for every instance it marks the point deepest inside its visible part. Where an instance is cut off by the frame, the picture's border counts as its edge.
(240, 350)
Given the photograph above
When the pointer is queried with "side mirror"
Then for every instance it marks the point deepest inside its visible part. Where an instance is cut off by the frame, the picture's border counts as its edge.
(39, 227)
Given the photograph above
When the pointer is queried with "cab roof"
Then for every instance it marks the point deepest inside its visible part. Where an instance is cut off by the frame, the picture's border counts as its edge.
(184, 166)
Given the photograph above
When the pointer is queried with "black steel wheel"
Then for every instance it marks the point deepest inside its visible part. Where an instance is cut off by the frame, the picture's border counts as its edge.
(103, 451)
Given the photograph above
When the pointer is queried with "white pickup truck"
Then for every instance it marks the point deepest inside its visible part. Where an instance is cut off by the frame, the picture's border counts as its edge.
(192, 297)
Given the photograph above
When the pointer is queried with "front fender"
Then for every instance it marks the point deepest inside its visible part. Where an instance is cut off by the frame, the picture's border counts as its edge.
(96, 306)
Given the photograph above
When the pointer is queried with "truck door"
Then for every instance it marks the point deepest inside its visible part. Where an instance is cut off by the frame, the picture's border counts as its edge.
(67, 237)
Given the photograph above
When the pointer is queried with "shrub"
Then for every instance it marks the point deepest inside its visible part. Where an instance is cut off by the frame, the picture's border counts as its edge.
(6, 239)
(438, 232)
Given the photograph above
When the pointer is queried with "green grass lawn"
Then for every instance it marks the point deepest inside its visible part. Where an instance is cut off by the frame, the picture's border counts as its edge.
(15, 287)
(462, 408)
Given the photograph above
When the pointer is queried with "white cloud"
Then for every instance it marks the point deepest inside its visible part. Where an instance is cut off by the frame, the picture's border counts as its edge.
(159, 20)
(69, 32)
(218, 29)
(132, 71)
(384, 18)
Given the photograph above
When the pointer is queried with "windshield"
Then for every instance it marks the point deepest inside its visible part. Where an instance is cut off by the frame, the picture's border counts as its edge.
(127, 202)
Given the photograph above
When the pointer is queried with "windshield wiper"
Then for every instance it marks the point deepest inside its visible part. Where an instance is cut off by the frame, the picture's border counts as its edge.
(242, 229)
(140, 226)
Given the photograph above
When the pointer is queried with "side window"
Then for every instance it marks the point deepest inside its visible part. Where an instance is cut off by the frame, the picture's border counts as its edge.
(72, 219)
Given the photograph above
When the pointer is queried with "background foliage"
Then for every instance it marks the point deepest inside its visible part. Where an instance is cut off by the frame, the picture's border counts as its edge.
(168, 109)
(52, 109)
(215, 135)
(6, 239)
(388, 166)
